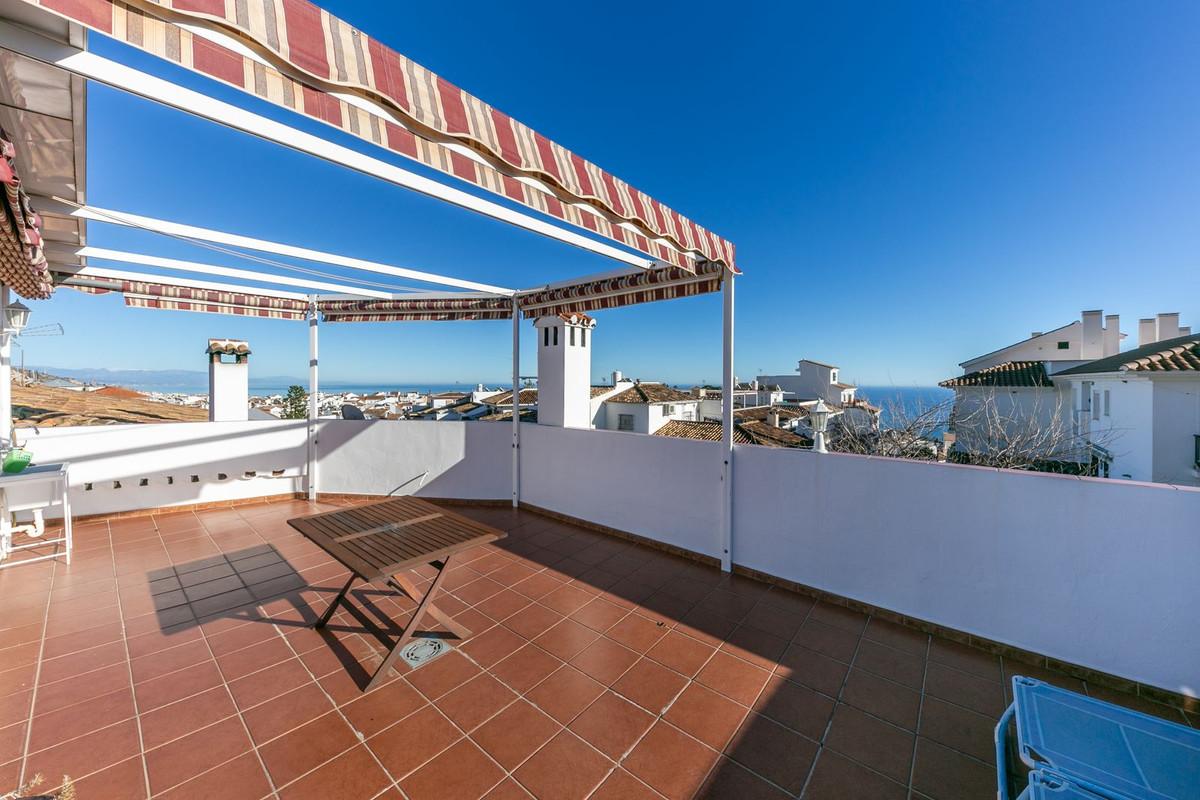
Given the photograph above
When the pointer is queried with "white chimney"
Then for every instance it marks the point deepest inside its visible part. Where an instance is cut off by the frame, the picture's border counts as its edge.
(773, 417)
(1185, 330)
(1092, 343)
(617, 377)
(1167, 326)
(1146, 332)
(1112, 335)
(564, 370)
(228, 380)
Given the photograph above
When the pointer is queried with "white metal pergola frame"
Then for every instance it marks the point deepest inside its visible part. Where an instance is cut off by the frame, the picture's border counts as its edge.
(67, 259)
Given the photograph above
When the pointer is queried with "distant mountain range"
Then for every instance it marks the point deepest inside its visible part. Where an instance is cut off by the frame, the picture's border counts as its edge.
(149, 378)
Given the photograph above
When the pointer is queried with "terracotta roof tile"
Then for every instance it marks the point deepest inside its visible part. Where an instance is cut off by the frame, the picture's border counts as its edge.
(761, 433)
(1010, 373)
(1181, 354)
(641, 393)
(528, 397)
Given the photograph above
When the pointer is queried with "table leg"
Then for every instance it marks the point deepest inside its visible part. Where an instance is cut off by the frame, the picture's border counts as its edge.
(333, 606)
(403, 583)
(67, 520)
(422, 608)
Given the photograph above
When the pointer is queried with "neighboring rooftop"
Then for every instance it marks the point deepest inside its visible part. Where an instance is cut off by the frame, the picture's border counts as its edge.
(1181, 354)
(1008, 374)
(761, 433)
(527, 397)
(641, 393)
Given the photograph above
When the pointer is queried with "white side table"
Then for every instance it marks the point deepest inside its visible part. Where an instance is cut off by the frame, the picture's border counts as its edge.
(34, 489)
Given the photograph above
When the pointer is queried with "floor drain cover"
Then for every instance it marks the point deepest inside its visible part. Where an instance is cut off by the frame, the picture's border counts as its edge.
(422, 651)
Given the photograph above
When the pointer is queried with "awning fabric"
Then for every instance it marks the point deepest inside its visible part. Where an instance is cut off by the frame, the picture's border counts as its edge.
(416, 310)
(22, 263)
(143, 294)
(310, 55)
(626, 290)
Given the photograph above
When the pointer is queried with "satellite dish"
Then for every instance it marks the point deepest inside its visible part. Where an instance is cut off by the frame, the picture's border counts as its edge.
(351, 412)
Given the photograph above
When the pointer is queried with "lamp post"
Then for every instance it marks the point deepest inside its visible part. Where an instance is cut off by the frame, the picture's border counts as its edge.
(818, 415)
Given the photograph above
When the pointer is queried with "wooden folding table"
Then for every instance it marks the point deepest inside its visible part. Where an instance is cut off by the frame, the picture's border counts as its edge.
(379, 542)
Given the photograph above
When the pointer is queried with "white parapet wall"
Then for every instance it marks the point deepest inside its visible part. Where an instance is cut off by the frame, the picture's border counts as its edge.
(471, 460)
(658, 487)
(126, 467)
(1095, 572)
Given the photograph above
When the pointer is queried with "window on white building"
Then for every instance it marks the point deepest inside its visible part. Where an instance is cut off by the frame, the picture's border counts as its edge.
(1096, 405)
(1064, 345)
(624, 422)
(555, 336)
(668, 410)
(545, 337)
(1107, 402)
(833, 376)
(583, 337)
(572, 337)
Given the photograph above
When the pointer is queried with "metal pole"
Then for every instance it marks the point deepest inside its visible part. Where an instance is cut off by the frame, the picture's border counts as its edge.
(6, 420)
(516, 403)
(313, 407)
(727, 388)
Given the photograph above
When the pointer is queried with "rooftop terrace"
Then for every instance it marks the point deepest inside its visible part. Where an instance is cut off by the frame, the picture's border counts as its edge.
(174, 658)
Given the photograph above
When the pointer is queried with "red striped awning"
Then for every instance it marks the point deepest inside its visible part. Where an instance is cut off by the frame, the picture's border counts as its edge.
(310, 54)
(22, 263)
(626, 290)
(172, 304)
(419, 316)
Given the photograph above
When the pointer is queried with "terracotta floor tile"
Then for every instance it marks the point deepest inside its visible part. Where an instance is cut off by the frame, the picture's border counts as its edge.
(710, 717)
(730, 779)
(503, 605)
(794, 706)
(176, 686)
(463, 772)
(757, 647)
(565, 769)
(839, 617)
(475, 701)
(773, 751)
(515, 733)
(965, 658)
(240, 779)
(537, 586)
(352, 774)
(882, 698)
(12, 741)
(650, 685)
(604, 660)
(67, 723)
(959, 728)
(671, 762)
(507, 789)
(567, 599)
(892, 664)
(525, 668)
(681, 653)
(827, 640)
(173, 659)
(637, 633)
(566, 639)
(620, 785)
(56, 669)
(565, 693)
(883, 747)
(612, 725)
(772, 619)
(242, 662)
(372, 712)
(169, 722)
(404, 747)
(492, 645)
(441, 675)
(982, 695)
(125, 780)
(261, 686)
(189, 756)
(87, 754)
(286, 712)
(599, 614)
(733, 678)
(836, 777)
(294, 753)
(898, 636)
(945, 774)
(158, 640)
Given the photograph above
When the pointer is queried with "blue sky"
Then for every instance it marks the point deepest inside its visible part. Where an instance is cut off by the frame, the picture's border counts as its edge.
(908, 185)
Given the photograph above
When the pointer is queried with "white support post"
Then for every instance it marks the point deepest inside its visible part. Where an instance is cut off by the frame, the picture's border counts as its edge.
(727, 388)
(313, 406)
(6, 419)
(516, 403)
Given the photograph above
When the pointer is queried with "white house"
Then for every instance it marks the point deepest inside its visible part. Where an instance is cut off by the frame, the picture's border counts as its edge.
(813, 380)
(1142, 407)
(645, 407)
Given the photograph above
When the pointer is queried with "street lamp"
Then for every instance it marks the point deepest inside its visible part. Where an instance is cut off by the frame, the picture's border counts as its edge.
(16, 317)
(818, 416)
